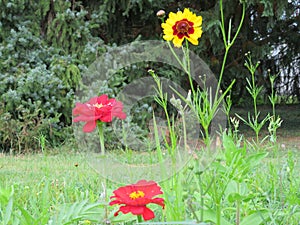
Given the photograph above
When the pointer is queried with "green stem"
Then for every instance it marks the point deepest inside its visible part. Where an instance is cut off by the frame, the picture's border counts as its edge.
(223, 23)
(163, 100)
(256, 120)
(273, 100)
(101, 136)
(188, 65)
(228, 43)
(139, 219)
(222, 71)
(176, 57)
(227, 47)
(254, 90)
(217, 200)
(241, 23)
(199, 184)
(207, 137)
(184, 131)
(254, 95)
(218, 212)
(238, 206)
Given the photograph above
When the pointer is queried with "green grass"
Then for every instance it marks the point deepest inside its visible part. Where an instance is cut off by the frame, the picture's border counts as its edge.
(63, 186)
(30, 169)
(44, 185)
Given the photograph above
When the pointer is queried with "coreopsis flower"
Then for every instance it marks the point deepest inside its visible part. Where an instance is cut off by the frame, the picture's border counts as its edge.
(182, 25)
(98, 108)
(134, 198)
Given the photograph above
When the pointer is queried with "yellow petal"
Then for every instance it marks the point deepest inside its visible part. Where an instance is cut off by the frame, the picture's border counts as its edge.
(172, 16)
(168, 37)
(194, 37)
(179, 16)
(177, 41)
(197, 32)
(192, 17)
(168, 31)
(171, 21)
(166, 26)
(193, 41)
(197, 21)
(188, 14)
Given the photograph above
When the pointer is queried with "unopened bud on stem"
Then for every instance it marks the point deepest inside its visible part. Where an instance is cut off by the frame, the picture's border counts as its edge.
(161, 14)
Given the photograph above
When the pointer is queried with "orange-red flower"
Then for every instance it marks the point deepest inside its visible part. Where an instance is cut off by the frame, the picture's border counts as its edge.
(182, 25)
(98, 108)
(134, 198)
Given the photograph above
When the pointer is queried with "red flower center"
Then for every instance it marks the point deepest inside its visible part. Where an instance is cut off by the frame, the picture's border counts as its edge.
(183, 28)
(137, 194)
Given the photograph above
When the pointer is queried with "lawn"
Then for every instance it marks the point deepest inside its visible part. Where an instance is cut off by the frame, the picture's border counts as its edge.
(66, 189)
(253, 183)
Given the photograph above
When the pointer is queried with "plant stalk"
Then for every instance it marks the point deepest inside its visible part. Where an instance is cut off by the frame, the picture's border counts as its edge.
(101, 137)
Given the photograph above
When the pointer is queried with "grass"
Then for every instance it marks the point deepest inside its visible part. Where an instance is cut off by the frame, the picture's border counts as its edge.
(43, 184)
(30, 169)
(67, 178)
(240, 186)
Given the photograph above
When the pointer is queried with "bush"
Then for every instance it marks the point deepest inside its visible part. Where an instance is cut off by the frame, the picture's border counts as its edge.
(38, 75)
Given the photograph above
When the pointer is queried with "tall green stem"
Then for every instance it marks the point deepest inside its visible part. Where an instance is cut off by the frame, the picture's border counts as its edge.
(218, 213)
(200, 187)
(255, 92)
(222, 71)
(188, 65)
(139, 219)
(176, 57)
(226, 39)
(238, 206)
(101, 136)
(273, 98)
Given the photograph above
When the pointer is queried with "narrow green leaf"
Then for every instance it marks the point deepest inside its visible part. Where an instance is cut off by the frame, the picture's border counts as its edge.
(211, 216)
(8, 210)
(256, 218)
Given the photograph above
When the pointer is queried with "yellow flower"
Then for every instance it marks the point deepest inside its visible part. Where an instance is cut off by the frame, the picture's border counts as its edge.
(182, 25)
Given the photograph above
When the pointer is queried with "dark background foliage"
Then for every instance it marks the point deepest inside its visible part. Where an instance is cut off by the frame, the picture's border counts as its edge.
(46, 45)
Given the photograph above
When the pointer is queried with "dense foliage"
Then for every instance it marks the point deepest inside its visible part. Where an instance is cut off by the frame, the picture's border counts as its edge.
(46, 45)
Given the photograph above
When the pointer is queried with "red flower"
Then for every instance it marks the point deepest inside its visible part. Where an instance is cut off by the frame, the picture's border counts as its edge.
(98, 108)
(135, 197)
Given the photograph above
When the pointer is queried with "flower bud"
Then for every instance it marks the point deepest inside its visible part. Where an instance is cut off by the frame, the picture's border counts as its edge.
(161, 14)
